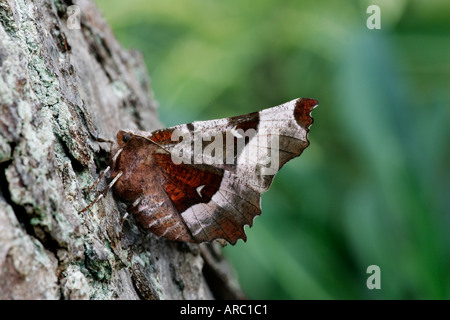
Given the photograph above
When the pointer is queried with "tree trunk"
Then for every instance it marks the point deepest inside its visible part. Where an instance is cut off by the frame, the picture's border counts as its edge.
(62, 87)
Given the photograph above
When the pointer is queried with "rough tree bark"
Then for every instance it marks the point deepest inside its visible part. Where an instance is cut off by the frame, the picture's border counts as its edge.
(60, 89)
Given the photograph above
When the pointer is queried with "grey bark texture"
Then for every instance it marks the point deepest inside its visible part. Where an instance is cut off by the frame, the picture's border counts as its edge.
(60, 89)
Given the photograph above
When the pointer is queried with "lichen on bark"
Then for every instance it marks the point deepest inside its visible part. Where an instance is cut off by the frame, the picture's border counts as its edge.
(61, 89)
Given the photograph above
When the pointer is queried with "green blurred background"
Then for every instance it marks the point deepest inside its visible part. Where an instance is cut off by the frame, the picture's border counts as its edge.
(373, 188)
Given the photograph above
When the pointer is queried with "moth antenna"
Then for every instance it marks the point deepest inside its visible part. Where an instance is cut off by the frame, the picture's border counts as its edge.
(104, 192)
(155, 143)
(164, 149)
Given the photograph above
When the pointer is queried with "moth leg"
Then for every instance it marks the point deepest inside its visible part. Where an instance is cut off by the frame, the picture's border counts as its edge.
(111, 143)
(122, 221)
(125, 216)
(105, 172)
(92, 203)
(103, 193)
(104, 140)
(99, 178)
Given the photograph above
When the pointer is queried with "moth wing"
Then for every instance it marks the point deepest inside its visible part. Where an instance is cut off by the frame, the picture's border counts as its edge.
(261, 142)
(217, 199)
(213, 203)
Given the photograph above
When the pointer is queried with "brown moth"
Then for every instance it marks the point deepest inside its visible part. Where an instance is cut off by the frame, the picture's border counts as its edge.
(203, 181)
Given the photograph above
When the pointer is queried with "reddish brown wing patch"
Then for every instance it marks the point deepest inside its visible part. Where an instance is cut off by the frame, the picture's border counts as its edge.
(245, 122)
(302, 112)
(163, 136)
(141, 188)
(188, 185)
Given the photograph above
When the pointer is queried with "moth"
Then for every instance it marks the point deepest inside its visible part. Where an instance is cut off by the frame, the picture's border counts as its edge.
(203, 181)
